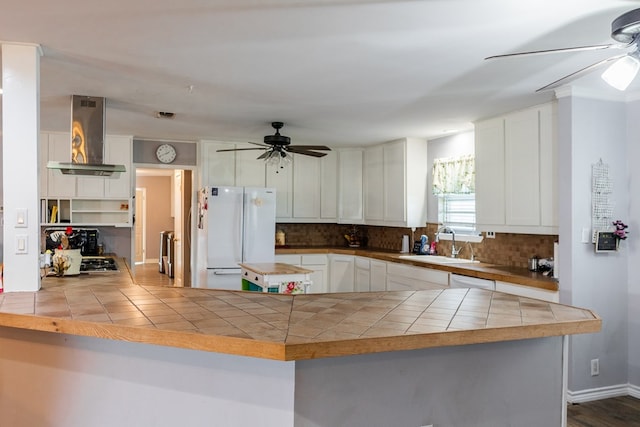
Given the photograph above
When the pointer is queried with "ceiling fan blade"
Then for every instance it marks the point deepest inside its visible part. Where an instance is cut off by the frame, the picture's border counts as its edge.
(579, 73)
(304, 152)
(258, 143)
(560, 50)
(238, 149)
(263, 155)
(311, 147)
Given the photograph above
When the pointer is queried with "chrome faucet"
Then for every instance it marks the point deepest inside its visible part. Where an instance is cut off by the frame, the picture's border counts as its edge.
(454, 251)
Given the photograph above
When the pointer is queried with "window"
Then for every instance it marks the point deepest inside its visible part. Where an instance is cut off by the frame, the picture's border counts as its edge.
(458, 211)
(454, 185)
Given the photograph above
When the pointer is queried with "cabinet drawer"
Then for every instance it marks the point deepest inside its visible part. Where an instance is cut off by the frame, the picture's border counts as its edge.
(418, 273)
(288, 259)
(314, 259)
(362, 263)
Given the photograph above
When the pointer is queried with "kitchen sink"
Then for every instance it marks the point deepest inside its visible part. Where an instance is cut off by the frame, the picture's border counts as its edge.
(436, 259)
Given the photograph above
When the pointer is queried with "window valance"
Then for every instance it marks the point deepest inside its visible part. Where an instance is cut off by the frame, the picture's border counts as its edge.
(454, 175)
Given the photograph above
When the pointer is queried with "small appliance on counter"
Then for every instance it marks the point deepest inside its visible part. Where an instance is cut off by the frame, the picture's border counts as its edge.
(421, 247)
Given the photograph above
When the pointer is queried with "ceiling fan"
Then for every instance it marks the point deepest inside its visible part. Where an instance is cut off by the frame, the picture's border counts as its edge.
(277, 148)
(625, 29)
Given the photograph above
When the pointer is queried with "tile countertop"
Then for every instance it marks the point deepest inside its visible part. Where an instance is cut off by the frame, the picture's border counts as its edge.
(284, 327)
(516, 275)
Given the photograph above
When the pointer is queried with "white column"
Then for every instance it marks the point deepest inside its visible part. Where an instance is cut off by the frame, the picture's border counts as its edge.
(20, 174)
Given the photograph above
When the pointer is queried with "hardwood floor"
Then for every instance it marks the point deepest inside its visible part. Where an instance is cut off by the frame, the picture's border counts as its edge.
(614, 412)
(149, 274)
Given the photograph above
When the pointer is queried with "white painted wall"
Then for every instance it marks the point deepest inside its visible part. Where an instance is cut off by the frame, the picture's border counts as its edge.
(633, 243)
(590, 130)
(64, 380)
(448, 146)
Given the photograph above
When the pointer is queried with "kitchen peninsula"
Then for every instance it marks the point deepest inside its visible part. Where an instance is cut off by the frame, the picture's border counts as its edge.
(105, 351)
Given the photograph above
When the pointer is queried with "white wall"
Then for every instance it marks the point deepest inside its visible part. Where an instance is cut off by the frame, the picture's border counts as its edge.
(447, 146)
(590, 130)
(633, 244)
(51, 379)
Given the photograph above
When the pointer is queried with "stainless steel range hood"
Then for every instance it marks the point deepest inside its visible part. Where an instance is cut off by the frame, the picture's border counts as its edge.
(87, 140)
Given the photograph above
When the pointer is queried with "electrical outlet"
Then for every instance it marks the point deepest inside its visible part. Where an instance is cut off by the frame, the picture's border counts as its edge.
(595, 367)
(490, 234)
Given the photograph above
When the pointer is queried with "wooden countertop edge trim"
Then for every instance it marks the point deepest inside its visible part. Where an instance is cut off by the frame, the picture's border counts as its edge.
(181, 339)
(306, 351)
(291, 351)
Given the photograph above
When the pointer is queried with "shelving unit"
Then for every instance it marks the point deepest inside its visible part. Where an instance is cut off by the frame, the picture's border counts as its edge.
(114, 212)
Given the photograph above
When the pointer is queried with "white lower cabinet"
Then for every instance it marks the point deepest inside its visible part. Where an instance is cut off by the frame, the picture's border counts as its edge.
(377, 275)
(315, 262)
(402, 277)
(528, 291)
(362, 274)
(341, 273)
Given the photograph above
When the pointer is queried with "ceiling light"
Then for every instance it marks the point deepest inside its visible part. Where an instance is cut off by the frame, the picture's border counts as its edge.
(622, 72)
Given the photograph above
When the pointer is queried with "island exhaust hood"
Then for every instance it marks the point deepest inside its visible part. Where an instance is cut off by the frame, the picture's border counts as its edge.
(87, 140)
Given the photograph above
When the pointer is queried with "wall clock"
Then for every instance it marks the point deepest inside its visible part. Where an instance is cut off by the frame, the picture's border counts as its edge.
(166, 153)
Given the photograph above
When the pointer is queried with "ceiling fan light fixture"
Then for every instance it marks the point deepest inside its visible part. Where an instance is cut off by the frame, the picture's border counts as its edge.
(622, 72)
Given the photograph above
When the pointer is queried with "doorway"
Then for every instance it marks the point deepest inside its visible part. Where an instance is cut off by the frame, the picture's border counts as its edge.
(166, 195)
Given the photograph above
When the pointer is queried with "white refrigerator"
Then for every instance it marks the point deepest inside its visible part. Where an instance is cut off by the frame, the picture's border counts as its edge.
(236, 224)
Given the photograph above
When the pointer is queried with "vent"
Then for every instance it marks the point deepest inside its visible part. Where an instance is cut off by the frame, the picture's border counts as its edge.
(87, 139)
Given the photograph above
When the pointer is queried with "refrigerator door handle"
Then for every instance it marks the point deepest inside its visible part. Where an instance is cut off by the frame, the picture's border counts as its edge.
(226, 272)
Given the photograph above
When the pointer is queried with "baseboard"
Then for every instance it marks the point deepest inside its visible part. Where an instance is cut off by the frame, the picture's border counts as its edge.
(634, 391)
(151, 261)
(589, 395)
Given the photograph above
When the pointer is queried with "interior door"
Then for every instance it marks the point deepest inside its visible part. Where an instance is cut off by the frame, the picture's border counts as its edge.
(140, 229)
(178, 228)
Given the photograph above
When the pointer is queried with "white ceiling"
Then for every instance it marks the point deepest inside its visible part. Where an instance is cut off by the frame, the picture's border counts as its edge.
(337, 72)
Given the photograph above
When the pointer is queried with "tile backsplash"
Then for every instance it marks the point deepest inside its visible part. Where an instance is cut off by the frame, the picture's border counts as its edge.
(506, 249)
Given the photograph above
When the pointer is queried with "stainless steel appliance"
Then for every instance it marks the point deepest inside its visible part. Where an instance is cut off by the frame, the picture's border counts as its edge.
(93, 264)
(85, 239)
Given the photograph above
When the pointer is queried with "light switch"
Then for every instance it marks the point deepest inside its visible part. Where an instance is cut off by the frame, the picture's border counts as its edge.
(586, 235)
(21, 218)
(21, 243)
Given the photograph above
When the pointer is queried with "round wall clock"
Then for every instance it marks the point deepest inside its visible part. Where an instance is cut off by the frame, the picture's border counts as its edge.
(166, 153)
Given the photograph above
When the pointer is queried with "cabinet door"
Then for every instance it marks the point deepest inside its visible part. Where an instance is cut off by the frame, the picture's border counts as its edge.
(250, 172)
(377, 276)
(528, 291)
(394, 182)
(350, 190)
(117, 151)
(329, 186)
(318, 279)
(342, 272)
(374, 184)
(90, 186)
(362, 276)
(522, 176)
(282, 180)
(59, 185)
(548, 167)
(218, 168)
(490, 177)
(306, 187)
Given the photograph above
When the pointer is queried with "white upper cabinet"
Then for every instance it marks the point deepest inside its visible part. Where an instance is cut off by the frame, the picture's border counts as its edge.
(117, 151)
(373, 184)
(250, 171)
(59, 150)
(282, 180)
(306, 187)
(490, 168)
(329, 187)
(350, 186)
(516, 172)
(396, 183)
(217, 168)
